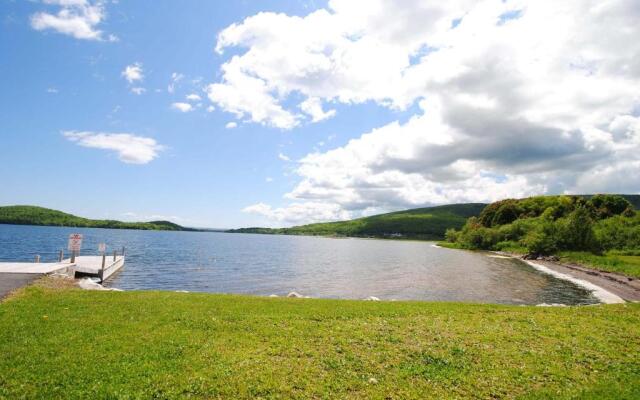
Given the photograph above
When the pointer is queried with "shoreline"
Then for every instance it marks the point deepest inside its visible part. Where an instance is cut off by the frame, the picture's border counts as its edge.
(606, 286)
(605, 296)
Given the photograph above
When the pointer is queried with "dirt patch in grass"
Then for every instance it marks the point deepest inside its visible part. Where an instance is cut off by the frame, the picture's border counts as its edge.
(47, 282)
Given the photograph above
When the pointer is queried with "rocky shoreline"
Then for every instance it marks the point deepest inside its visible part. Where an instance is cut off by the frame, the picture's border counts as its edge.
(623, 286)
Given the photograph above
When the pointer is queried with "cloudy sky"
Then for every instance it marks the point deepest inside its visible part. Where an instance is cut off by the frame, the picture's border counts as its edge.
(273, 113)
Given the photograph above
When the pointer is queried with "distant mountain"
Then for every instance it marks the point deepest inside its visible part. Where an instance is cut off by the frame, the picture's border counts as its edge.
(32, 215)
(428, 223)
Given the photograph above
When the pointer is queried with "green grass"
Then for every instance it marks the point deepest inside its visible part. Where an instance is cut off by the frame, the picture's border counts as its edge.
(510, 247)
(32, 215)
(144, 345)
(421, 223)
(611, 262)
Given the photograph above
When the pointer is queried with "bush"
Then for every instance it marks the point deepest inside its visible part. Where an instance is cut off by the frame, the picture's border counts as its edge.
(543, 238)
(576, 231)
(618, 233)
(451, 235)
(540, 243)
(607, 205)
(475, 236)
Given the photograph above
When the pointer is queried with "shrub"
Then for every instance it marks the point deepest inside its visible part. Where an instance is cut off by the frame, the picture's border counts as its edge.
(576, 231)
(618, 233)
(451, 235)
(540, 242)
(543, 238)
(608, 205)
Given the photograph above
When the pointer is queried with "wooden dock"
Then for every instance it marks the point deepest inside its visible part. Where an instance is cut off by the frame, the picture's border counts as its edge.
(92, 266)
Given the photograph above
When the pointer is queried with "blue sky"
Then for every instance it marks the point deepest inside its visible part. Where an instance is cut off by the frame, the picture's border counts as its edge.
(205, 175)
(311, 110)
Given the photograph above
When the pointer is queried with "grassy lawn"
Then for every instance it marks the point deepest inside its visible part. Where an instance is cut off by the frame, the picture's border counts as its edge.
(78, 344)
(625, 264)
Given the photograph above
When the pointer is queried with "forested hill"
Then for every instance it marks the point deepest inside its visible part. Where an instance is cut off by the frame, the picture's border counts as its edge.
(544, 225)
(32, 215)
(421, 223)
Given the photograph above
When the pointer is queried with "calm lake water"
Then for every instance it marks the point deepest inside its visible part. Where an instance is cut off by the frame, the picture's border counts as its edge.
(311, 266)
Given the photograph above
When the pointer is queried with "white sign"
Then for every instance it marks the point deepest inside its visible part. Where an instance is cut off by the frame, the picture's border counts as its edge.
(102, 247)
(75, 242)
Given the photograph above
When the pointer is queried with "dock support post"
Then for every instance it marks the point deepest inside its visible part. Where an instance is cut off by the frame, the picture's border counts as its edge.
(104, 258)
(60, 255)
(73, 256)
(37, 258)
(114, 255)
(122, 251)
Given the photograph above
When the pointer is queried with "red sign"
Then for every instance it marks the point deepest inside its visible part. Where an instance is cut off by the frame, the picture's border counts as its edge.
(75, 242)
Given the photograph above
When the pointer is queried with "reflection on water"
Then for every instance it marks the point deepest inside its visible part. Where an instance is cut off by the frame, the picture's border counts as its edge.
(312, 266)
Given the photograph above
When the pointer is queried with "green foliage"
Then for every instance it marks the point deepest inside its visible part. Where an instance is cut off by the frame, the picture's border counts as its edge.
(607, 205)
(500, 213)
(422, 223)
(619, 232)
(576, 231)
(544, 237)
(451, 235)
(510, 246)
(547, 224)
(31, 215)
(76, 344)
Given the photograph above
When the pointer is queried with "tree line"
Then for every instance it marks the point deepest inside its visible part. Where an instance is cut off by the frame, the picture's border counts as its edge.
(543, 225)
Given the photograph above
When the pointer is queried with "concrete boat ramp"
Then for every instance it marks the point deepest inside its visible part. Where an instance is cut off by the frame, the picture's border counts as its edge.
(82, 266)
(16, 274)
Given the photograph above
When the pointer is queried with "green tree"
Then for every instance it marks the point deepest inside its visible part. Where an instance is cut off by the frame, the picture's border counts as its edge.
(577, 231)
(543, 238)
(608, 205)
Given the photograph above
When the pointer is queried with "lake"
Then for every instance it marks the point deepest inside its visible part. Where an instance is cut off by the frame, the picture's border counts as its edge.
(311, 266)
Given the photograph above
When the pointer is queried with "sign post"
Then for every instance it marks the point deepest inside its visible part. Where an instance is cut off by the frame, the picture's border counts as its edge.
(75, 244)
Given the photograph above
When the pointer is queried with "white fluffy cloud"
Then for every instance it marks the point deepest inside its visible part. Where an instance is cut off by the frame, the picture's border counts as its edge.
(130, 148)
(298, 213)
(193, 97)
(182, 107)
(515, 97)
(133, 73)
(77, 18)
(231, 125)
(313, 107)
(242, 94)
